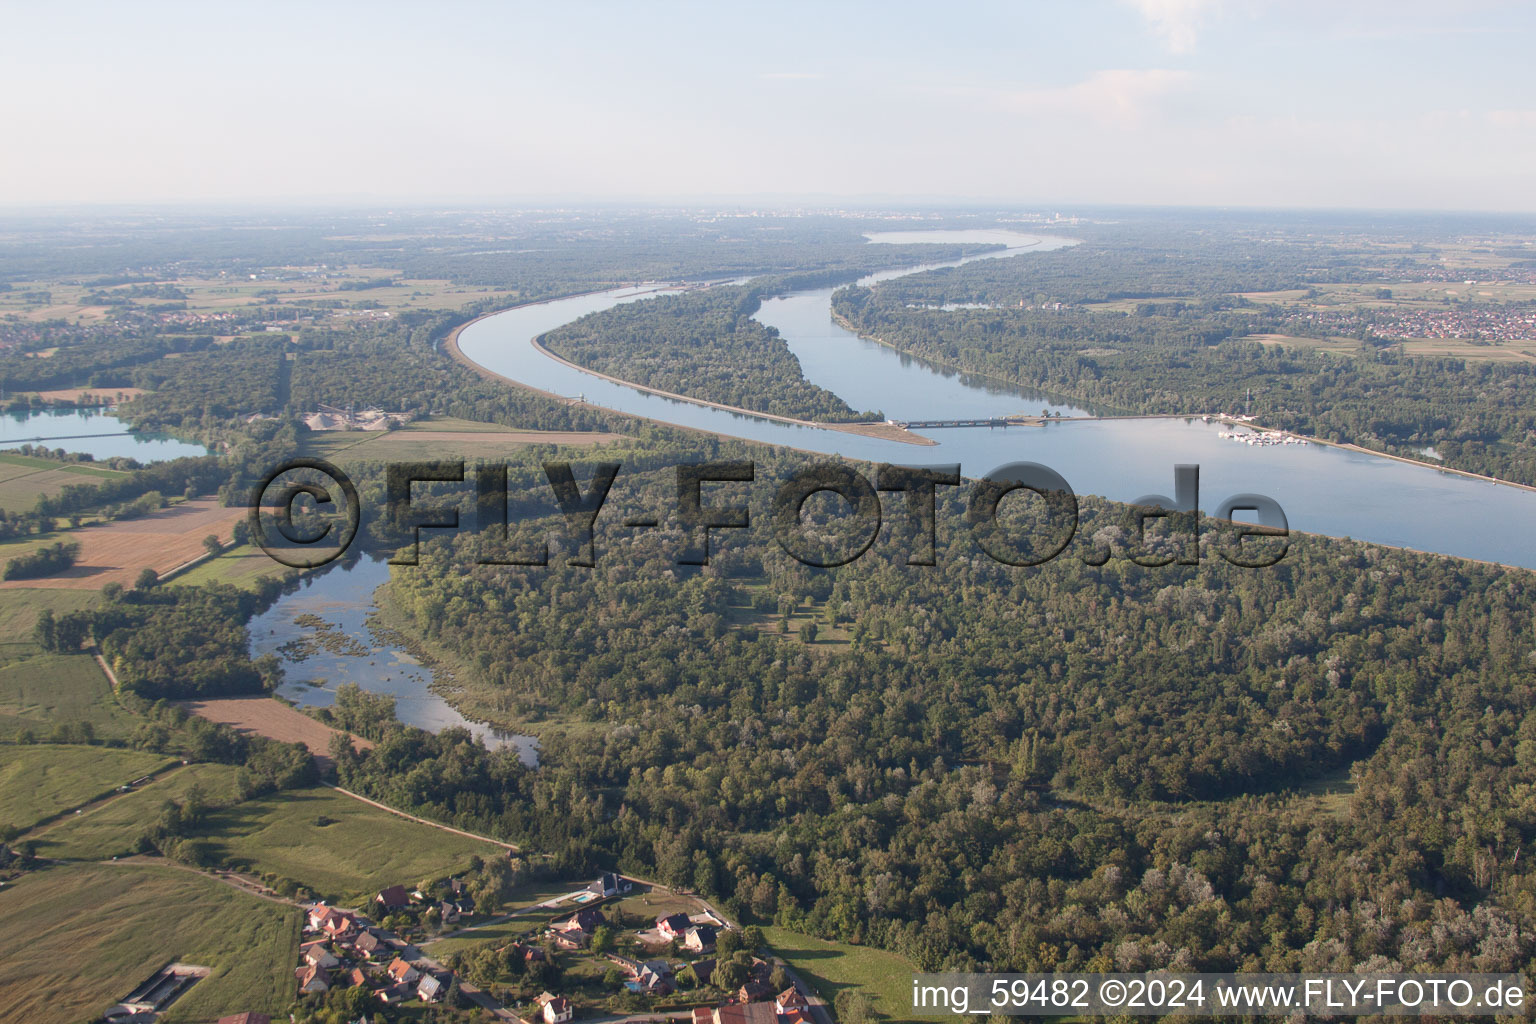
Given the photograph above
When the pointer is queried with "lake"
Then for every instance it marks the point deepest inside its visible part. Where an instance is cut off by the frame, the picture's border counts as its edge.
(90, 432)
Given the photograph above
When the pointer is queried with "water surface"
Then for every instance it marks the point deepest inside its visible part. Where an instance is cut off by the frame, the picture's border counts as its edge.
(62, 428)
(348, 650)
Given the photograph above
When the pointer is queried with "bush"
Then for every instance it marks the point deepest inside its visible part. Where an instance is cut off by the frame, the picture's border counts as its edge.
(45, 561)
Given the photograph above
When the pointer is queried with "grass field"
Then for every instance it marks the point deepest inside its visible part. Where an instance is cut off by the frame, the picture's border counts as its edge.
(239, 566)
(43, 692)
(80, 937)
(1457, 348)
(18, 616)
(39, 781)
(23, 479)
(360, 851)
(884, 978)
(440, 438)
(110, 829)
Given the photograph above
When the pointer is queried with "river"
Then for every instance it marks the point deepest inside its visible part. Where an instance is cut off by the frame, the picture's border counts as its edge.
(1323, 489)
(351, 649)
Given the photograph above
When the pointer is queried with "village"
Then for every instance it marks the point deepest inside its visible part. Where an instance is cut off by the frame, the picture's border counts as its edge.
(583, 955)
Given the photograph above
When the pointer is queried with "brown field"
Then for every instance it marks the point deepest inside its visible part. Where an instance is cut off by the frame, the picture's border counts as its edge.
(76, 394)
(119, 551)
(272, 719)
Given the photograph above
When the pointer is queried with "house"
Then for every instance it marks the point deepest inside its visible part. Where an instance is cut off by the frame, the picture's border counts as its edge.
(746, 1013)
(319, 914)
(753, 991)
(393, 898)
(571, 938)
(355, 977)
(587, 919)
(429, 989)
(704, 970)
(449, 911)
(673, 926)
(337, 924)
(393, 994)
(789, 999)
(655, 976)
(608, 884)
(314, 979)
(558, 1010)
(402, 973)
(530, 954)
(369, 944)
(246, 1018)
(703, 1015)
(341, 927)
(700, 939)
(315, 954)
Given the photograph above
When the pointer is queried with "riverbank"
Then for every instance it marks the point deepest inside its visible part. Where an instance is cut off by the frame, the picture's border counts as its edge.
(881, 431)
(844, 323)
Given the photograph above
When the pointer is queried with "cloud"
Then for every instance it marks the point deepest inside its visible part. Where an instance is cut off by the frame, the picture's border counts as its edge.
(1176, 22)
(791, 76)
(1114, 94)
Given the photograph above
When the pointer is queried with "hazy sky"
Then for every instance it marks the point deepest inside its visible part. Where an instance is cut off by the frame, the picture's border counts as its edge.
(1244, 102)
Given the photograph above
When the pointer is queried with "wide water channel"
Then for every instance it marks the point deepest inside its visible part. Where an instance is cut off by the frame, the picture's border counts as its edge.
(1322, 489)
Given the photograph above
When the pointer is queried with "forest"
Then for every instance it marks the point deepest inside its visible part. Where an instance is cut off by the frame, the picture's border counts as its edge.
(1064, 767)
(703, 344)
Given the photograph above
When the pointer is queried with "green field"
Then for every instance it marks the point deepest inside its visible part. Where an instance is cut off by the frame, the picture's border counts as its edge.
(41, 693)
(37, 782)
(18, 616)
(24, 478)
(112, 828)
(239, 566)
(828, 967)
(360, 851)
(81, 937)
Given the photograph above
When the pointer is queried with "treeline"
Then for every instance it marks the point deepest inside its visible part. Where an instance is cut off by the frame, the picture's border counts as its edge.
(173, 643)
(47, 560)
(703, 344)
